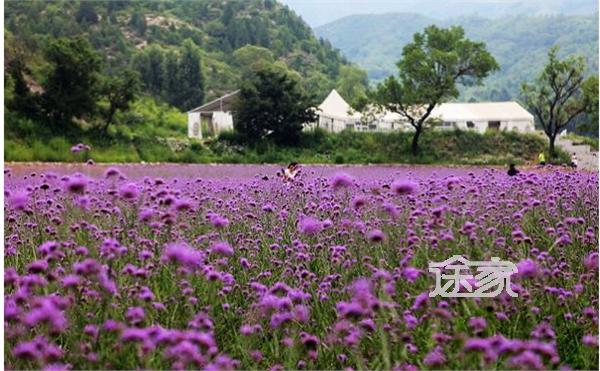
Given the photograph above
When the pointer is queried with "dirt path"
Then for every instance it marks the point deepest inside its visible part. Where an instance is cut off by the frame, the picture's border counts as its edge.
(587, 158)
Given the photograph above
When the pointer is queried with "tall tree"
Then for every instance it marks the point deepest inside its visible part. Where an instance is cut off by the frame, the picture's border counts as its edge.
(170, 84)
(429, 70)
(71, 88)
(272, 104)
(189, 77)
(119, 91)
(556, 98)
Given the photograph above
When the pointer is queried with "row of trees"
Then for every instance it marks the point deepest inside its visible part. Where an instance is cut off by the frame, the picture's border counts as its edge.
(429, 72)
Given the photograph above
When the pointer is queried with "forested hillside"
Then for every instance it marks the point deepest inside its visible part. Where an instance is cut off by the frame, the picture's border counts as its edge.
(151, 36)
(118, 74)
(519, 44)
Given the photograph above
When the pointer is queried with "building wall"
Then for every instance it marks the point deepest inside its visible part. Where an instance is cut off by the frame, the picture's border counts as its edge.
(222, 121)
(194, 127)
(215, 122)
(523, 126)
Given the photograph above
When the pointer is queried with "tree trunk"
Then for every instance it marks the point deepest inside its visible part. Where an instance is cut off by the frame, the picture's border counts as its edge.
(109, 119)
(415, 142)
(551, 151)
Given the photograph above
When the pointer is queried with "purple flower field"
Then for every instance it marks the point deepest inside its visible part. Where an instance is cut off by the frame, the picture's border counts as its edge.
(228, 267)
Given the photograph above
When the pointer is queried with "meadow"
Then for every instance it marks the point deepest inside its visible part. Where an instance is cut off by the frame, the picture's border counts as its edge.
(229, 267)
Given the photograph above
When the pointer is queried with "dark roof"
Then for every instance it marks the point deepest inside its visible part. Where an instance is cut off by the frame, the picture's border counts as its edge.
(219, 104)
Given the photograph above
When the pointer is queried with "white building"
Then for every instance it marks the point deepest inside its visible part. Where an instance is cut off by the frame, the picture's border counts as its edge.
(484, 116)
(212, 117)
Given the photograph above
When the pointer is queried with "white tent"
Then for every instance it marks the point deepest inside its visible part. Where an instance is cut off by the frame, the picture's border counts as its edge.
(335, 114)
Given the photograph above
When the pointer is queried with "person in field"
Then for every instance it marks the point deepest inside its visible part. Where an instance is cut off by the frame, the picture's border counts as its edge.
(542, 158)
(288, 174)
(512, 170)
(574, 161)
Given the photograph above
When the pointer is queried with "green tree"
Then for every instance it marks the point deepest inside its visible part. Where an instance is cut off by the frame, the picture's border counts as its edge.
(170, 84)
(251, 58)
(138, 23)
(18, 96)
(352, 84)
(590, 92)
(71, 89)
(86, 14)
(272, 104)
(429, 70)
(556, 98)
(119, 91)
(150, 65)
(189, 78)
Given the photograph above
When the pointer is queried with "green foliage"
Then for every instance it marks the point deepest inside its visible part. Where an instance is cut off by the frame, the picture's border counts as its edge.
(119, 92)
(251, 58)
(175, 76)
(590, 93)
(71, 88)
(138, 23)
(352, 84)
(189, 78)
(556, 98)
(429, 70)
(272, 104)
(86, 14)
(146, 30)
(150, 64)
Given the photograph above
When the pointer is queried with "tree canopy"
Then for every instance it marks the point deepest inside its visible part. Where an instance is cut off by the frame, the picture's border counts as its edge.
(71, 88)
(430, 68)
(272, 104)
(119, 92)
(556, 97)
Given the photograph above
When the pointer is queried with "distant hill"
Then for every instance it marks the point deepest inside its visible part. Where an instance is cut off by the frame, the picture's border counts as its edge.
(318, 13)
(519, 43)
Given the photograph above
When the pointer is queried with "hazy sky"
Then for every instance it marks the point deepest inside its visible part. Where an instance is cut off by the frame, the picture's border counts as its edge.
(318, 12)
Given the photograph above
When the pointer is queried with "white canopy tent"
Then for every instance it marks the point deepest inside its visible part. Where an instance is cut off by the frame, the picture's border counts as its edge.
(484, 116)
(335, 114)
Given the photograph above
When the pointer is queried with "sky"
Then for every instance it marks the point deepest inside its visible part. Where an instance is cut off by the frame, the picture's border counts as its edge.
(319, 12)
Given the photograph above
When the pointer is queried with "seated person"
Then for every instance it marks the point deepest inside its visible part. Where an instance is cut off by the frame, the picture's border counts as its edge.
(290, 172)
(512, 171)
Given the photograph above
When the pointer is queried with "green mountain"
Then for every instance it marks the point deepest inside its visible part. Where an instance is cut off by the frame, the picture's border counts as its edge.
(519, 44)
(150, 34)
